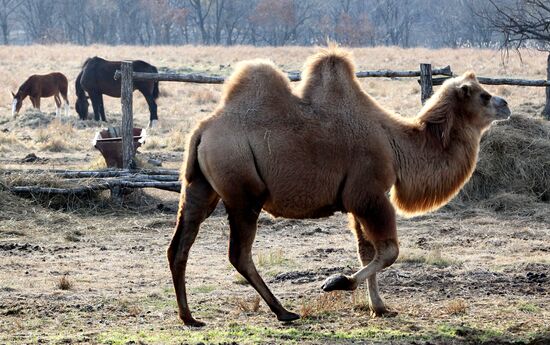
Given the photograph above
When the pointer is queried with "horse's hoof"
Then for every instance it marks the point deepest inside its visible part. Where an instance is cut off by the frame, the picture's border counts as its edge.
(383, 312)
(153, 124)
(339, 282)
(288, 316)
(193, 323)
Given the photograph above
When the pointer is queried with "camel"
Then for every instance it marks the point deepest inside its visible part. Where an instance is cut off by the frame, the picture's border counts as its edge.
(324, 147)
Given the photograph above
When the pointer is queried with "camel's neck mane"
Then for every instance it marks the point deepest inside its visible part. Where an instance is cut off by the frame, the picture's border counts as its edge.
(431, 169)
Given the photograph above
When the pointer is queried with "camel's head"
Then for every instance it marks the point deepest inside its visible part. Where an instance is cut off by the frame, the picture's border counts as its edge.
(477, 104)
(16, 103)
(461, 102)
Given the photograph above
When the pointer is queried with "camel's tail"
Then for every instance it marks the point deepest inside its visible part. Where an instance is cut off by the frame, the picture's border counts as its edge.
(255, 81)
(191, 170)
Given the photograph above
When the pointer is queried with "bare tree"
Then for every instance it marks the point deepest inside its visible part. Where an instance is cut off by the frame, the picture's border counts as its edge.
(201, 10)
(7, 8)
(525, 22)
(394, 20)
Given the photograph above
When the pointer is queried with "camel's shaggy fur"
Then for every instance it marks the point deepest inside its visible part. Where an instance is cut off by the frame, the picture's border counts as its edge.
(326, 146)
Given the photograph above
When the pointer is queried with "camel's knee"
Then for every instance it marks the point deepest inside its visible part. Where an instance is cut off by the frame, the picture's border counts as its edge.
(387, 252)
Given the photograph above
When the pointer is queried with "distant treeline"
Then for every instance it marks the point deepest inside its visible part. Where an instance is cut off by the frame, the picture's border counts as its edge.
(430, 23)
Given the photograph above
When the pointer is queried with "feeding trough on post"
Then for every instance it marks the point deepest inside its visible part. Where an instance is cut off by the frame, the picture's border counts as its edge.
(109, 143)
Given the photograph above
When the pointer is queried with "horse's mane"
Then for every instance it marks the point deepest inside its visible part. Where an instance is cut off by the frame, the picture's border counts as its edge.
(87, 60)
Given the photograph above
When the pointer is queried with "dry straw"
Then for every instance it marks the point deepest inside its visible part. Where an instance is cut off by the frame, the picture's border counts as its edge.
(513, 171)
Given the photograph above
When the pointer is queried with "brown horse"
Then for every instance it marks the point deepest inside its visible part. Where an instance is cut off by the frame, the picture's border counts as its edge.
(41, 86)
(325, 147)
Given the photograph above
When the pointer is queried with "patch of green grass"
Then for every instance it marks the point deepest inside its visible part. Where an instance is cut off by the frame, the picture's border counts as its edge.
(434, 257)
(244, 334)
(468, 332)
(203, 289)
(528, 307)
(158, 301)
(272, 258)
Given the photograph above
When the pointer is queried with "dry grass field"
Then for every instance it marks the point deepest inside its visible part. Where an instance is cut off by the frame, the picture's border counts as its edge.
(93, 271)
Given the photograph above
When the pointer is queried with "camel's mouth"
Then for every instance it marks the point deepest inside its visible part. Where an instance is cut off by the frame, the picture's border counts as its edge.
(501, 106)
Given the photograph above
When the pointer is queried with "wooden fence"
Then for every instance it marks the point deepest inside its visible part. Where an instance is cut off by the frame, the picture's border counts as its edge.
(425, 75)
(167, 179)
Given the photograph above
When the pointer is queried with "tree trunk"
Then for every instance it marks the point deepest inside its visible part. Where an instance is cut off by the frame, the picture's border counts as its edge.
(546, 110)
(5, 31)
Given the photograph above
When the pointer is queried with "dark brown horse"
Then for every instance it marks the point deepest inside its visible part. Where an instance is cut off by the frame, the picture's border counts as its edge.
(97, 79)
(39, 86)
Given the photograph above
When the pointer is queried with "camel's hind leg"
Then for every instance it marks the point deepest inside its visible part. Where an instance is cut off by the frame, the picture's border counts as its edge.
(197, 201)
(366, 253)
(377, 217)
(243, 223)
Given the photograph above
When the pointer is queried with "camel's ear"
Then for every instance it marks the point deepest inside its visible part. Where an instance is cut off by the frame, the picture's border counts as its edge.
(469, 75)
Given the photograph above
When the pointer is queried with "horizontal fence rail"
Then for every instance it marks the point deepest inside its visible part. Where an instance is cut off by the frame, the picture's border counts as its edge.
(292, 76)
(167, 179)
(502, 81)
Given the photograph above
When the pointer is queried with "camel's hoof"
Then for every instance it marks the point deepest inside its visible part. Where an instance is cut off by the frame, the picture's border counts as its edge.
(193, 323)
(288, 316)
(338, 282)
(383, 312)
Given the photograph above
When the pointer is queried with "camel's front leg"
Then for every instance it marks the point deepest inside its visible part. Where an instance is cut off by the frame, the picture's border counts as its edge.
(378, 248)
(366, 253)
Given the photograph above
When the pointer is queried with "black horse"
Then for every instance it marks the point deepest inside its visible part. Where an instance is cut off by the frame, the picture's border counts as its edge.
(97, 79)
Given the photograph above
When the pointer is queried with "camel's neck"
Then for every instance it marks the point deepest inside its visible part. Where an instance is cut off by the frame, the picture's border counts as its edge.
(428, 175)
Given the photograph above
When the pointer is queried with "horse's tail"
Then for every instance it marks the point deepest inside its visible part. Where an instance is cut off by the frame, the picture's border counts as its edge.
(156, 90)
(155, 86)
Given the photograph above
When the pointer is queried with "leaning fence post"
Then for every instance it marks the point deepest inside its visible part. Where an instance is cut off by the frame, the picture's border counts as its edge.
(546, 110)
(127, 128)
(426, 83)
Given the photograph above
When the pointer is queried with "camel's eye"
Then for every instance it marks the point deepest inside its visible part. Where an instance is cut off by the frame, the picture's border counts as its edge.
(485, 97)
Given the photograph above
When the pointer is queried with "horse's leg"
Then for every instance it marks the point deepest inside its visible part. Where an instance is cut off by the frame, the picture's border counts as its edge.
(97, 105)
(378, 218)
(33, 101)
(102, 108)
(197, 201)
(37, 102)
(63, 92)
(366, 253)
(243, 223)
(57, 104)
(153, 117)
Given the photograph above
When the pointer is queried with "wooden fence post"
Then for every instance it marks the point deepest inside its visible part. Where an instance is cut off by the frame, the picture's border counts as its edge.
(546, 110)
(426, 83)
(127, 128)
